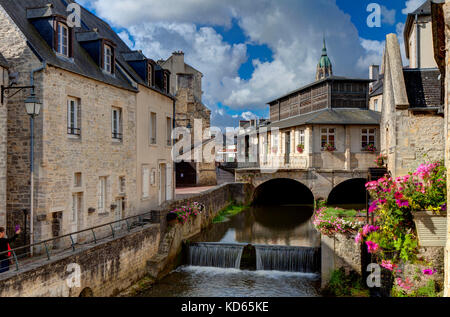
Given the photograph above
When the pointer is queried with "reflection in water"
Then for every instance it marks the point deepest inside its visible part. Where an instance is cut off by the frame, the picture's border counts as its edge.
(214, 282)
(286, 225)
(272, 225)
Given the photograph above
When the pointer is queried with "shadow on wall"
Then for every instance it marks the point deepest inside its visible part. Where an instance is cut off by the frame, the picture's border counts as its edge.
(282, 191)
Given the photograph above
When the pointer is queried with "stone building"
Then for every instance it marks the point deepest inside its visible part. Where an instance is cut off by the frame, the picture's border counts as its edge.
(440, 12)
(323, 125)
(89, 145)
(4, 78)
(412, 113)
(186, 83)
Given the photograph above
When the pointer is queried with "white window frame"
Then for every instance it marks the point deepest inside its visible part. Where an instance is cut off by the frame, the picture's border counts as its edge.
(301, 137)
(107, 58)
(72, 117)
(103, 194)
(327, 133)
(365, 132)
(145, 175)
(116, 123)
(153, 128)
(63, 39)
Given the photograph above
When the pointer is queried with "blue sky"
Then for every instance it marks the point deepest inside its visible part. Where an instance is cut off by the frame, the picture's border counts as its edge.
(251, 52)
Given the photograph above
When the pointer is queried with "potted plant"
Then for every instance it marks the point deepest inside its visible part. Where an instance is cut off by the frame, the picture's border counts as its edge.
(381, 161)
(300, 148)
(172, 219)
(329, 148)
(370, 148)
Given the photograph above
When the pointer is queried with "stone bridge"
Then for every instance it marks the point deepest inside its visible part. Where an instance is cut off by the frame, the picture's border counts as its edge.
(312, 184)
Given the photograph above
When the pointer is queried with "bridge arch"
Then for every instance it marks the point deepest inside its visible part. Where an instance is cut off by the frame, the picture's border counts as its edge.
(349, 192)
(282, 191)
(87, 292)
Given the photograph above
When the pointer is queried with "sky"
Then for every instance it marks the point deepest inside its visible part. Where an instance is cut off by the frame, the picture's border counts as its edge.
(253, 51)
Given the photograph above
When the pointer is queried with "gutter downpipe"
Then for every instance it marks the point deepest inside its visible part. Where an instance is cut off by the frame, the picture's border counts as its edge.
(44, 64)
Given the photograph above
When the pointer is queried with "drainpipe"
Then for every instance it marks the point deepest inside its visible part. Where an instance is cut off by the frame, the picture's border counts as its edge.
(417, 41)
(44, 64)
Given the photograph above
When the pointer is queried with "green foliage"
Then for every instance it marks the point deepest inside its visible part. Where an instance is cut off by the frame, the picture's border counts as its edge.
(343, 285)
(225, 214)
(429, 290)
(338, 212)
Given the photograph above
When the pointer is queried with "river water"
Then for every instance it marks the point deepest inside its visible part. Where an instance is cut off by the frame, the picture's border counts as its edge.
(263, 226)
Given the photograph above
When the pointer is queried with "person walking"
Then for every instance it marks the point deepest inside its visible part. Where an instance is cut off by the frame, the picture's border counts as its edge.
(4, 246)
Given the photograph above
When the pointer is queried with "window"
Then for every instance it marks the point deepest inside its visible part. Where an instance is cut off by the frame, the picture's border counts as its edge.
(166, 83)
(376, 105)
(62, 46)
(367, 137)
(274, 141)
(301, 137)
(102, 193)
(328, 137)
(77, 203)
(73, 117)
(122, 184)
(152, 128)
(153, 177)
(150, 75)
(169, 131)
(117, 123)
(108, 59)
(77, 180)
(145, 182)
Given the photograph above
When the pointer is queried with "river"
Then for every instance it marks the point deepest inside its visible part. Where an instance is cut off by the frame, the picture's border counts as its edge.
(289, 227)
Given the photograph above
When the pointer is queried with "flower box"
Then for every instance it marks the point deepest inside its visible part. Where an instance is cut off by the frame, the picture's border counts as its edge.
(431, 228)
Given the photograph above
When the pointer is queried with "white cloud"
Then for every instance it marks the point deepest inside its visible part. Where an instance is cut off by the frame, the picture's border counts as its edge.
(412, 5)
(292, 29)
(248, 115)
(388, 16)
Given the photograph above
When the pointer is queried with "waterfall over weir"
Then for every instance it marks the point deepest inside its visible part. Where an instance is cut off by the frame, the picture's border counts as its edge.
(268, 258)
(288, 259)
(216, 255)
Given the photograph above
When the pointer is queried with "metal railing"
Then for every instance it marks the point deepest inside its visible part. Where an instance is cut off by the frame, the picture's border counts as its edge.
(71, 242)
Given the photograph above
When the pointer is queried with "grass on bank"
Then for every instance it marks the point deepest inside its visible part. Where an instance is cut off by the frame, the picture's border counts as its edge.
(343, 285)
(341, 213)
(225, 214)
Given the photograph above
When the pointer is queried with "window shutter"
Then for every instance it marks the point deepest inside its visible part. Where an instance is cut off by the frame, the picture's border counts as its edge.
(55, 35)
(68, 117)
(71, 36)
(79, 116)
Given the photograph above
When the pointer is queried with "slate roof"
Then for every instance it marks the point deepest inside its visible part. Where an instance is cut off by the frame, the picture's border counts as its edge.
(423, 87)
(82, 62)
(3, 61)
(378, 87)
(331, 116)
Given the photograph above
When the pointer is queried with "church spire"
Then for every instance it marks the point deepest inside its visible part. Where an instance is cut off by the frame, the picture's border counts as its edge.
(324, 68)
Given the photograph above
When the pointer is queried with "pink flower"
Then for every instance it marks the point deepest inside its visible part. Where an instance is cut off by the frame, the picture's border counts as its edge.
(388, 265)
(372, 247)
(398, 195)
(358, 238)
(428, 272)
(402, 203)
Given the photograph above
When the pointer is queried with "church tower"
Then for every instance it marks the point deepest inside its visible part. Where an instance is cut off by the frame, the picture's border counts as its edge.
(324, 68)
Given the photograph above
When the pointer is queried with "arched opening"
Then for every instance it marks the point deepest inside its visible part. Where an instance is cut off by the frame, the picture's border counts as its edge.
(186, 174)
(282, 192)
(350, 194)
(87, 292)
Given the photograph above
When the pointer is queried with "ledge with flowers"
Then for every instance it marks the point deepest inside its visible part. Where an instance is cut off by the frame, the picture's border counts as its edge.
(393, 240)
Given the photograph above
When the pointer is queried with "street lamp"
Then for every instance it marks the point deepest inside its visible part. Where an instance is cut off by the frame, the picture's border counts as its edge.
(33, 107)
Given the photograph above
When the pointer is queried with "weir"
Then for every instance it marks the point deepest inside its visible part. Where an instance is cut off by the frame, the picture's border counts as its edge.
(216, 255)
(288, 259)
(268, 258)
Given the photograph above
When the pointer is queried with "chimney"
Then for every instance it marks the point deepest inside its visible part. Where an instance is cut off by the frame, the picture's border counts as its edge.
(178, 57)
(374, 72)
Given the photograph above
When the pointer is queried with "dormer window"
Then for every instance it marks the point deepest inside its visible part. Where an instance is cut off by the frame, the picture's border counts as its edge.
(166, 83)
(150, 75)
(108, 59)
(62, 39)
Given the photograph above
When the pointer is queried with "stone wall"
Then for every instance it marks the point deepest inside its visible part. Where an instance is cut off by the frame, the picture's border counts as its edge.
(116, 264)
(3, 148)
(106, 269)
(339, 251)
(446, 8)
